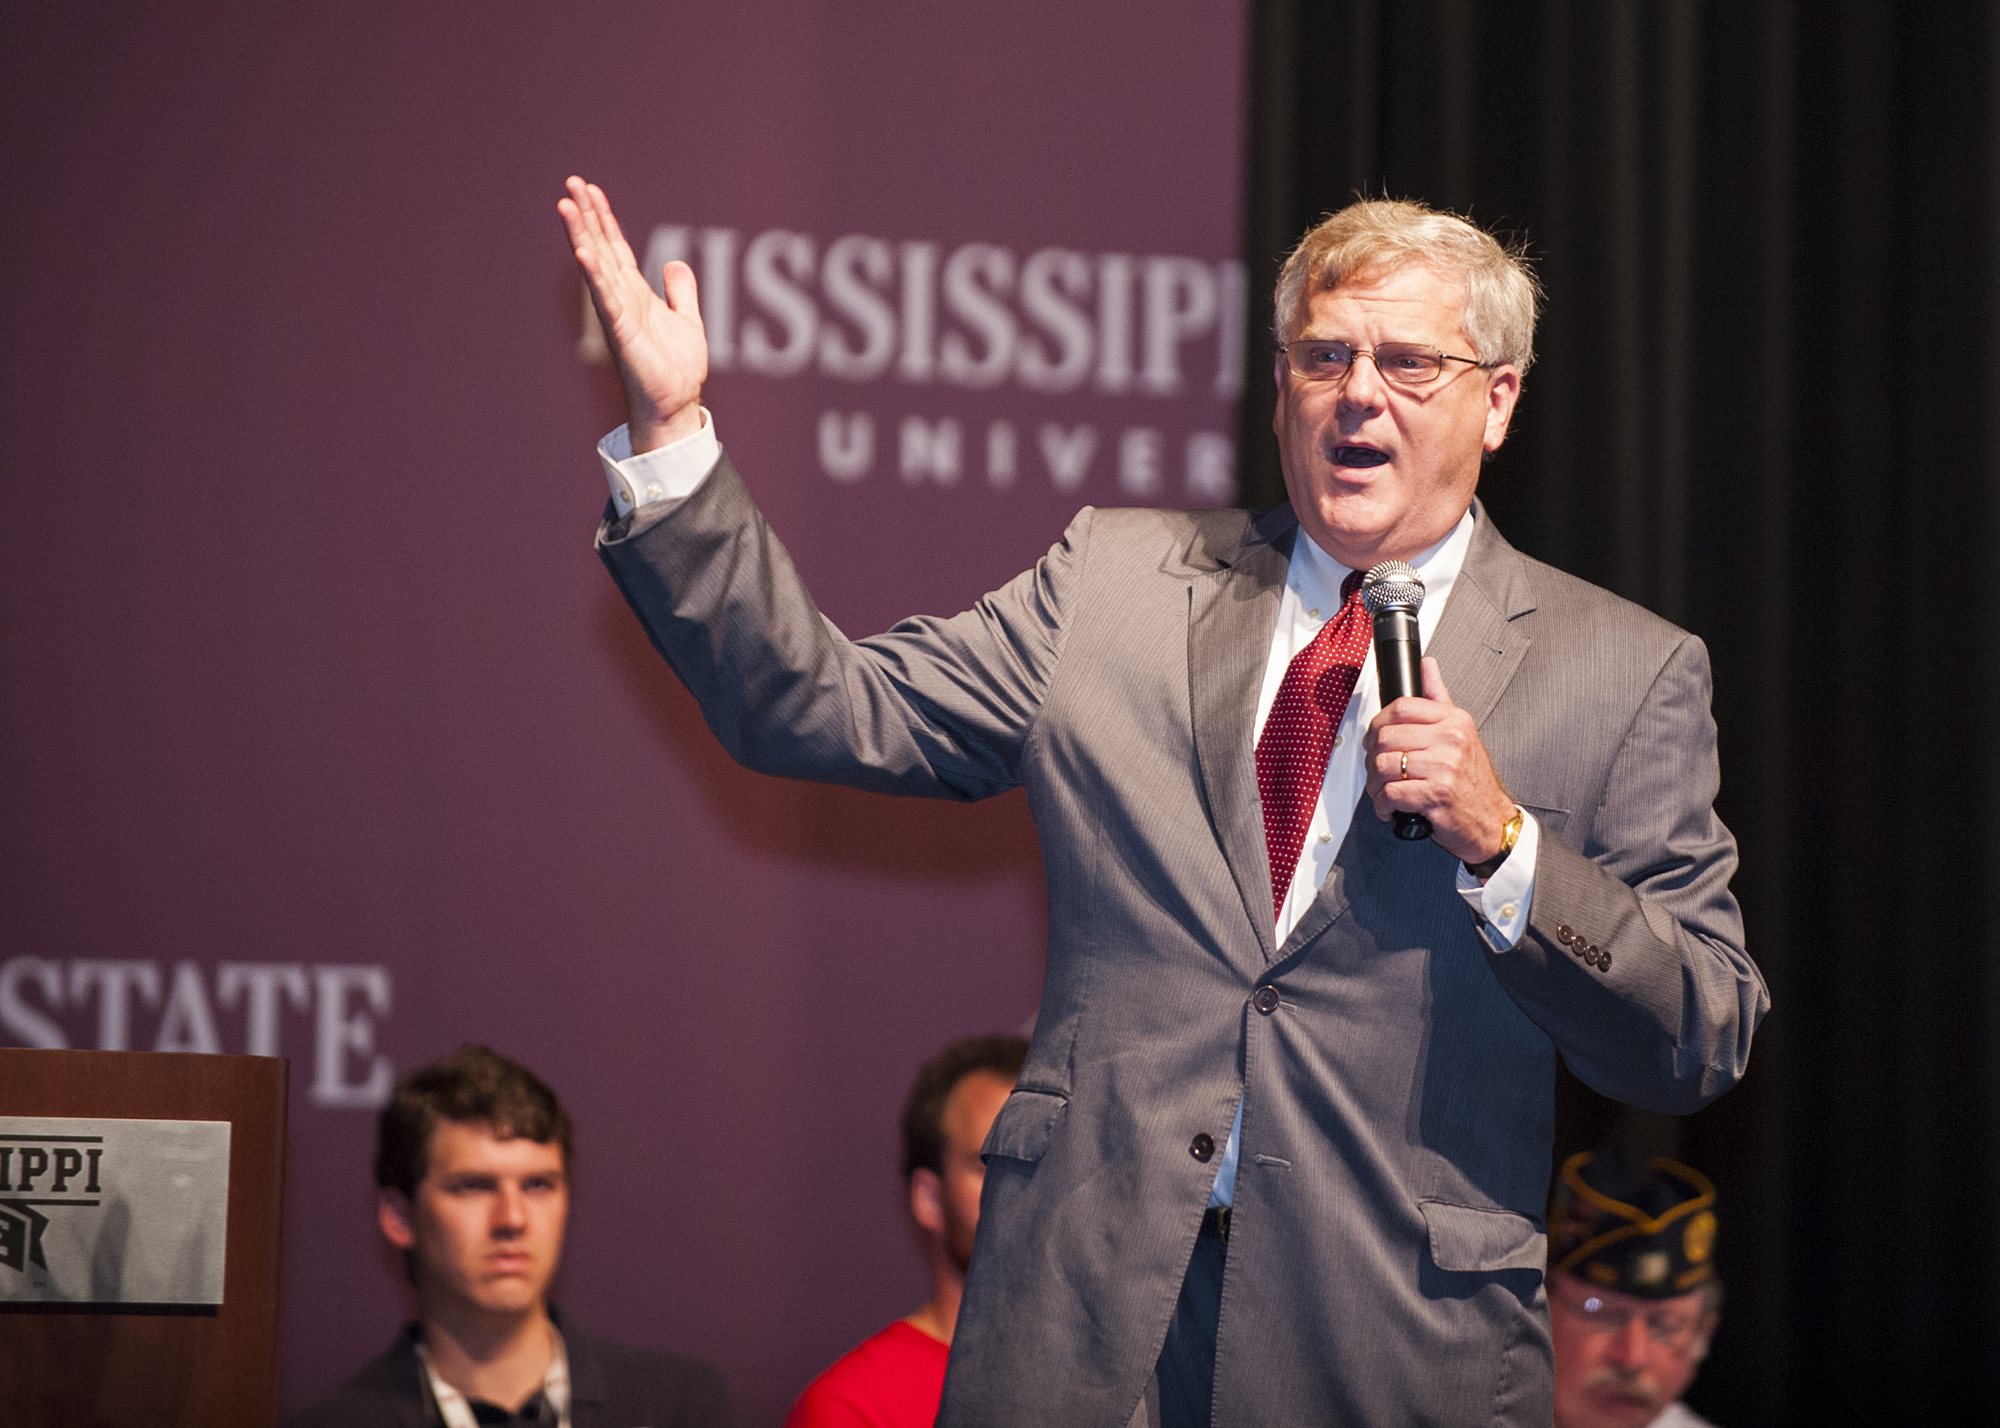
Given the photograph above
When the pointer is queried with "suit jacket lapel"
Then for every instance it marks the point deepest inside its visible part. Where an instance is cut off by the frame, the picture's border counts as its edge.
(1478, 646)
(1233, 607)
(587, 1386)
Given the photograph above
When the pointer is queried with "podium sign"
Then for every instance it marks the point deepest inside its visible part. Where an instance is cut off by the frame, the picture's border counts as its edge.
(113, 1212)
(141, 1200)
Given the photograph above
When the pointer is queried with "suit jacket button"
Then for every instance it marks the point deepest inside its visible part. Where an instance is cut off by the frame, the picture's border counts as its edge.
(1603, 961)
(1564, 935)
(1266, 1000)
(1202, 1147)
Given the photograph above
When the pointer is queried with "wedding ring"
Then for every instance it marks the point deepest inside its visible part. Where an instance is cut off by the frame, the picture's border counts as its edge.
(1404, 770)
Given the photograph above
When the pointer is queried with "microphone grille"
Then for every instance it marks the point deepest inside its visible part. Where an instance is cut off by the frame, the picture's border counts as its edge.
(1390, 585)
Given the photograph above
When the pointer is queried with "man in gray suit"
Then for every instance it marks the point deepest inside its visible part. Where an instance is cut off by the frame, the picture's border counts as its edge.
(1281, 1147)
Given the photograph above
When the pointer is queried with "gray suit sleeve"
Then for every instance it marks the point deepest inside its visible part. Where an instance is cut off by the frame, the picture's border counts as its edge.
(1634, 961)
(934, 707)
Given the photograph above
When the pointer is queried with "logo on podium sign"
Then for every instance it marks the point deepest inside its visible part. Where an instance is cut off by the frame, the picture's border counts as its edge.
(59, 1158)
(112, 1212)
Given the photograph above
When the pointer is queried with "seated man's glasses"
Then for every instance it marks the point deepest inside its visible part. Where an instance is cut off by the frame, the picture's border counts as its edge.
(1402, 364)
(1672, 1327)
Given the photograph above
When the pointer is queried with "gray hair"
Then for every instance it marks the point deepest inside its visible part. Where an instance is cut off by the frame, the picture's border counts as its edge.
(1380, 235)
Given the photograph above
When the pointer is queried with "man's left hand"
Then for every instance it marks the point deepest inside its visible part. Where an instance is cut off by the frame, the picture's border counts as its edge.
(1425, 756)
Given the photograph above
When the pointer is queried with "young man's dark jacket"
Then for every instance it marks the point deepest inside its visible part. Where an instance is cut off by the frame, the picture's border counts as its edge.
(611, 1386)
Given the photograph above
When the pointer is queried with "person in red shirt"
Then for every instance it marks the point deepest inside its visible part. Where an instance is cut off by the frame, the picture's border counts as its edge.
(895, 1378)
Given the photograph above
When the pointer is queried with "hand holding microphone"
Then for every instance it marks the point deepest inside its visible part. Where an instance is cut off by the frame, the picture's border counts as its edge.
(1431, 745)
(1394, 593)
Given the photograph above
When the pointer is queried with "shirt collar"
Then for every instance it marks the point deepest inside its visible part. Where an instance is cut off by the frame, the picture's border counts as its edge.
(456, 1412)
(1318, 575)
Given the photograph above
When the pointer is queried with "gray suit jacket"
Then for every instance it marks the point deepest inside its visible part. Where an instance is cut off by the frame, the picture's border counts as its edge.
(1385, 1258)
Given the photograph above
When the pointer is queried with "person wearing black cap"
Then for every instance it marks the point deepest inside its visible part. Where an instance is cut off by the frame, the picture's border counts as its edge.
(1633, 1294)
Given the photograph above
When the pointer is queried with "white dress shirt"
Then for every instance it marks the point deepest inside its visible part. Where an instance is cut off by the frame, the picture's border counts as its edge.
(666, 473)
(1311, 598)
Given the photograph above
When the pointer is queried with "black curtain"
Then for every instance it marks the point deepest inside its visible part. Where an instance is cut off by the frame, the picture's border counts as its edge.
(1767, 406)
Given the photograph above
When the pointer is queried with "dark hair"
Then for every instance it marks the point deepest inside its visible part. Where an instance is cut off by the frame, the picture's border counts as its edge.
(923, 1113)
(476, 1084)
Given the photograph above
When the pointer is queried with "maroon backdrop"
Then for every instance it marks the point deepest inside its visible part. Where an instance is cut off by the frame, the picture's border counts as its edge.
(324, 733)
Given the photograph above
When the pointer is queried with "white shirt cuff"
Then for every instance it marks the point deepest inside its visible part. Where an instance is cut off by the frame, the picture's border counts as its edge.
(666, 473)
(1501, 906)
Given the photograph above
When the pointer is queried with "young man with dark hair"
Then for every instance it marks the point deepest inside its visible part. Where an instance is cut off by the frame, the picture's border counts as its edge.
(472, 1166)
(895, 1379)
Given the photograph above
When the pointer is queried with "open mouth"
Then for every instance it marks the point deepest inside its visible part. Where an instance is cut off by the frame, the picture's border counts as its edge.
(1358, 456)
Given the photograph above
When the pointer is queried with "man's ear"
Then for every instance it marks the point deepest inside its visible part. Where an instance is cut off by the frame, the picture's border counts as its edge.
(392, 1213)
(1698, 1350)
(927, 1200)
(1503, 389)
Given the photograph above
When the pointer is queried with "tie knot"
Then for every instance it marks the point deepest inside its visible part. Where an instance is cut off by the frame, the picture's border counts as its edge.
(1350, 587)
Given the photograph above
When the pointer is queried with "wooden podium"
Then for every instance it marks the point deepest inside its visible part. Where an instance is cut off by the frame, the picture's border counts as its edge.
(109, 1366)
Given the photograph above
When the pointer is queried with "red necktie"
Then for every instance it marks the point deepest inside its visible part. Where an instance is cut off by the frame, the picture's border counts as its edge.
(1298, 733)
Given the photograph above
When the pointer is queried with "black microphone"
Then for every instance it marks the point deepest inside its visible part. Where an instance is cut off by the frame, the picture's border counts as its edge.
(1393, 593)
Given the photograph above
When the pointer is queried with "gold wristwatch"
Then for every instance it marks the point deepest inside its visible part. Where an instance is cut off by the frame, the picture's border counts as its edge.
(1508, 837)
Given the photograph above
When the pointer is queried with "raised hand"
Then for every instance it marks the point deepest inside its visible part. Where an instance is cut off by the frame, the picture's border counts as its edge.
(659, 346)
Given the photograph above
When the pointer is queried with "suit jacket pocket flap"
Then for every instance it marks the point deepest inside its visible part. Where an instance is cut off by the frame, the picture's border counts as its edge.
(1469, 1240)
(1021, 1130)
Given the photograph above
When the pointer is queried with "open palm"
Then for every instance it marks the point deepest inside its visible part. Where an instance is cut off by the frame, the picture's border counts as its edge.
(661, 351)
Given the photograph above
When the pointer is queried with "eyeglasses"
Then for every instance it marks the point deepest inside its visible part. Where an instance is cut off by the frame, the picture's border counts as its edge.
(1402, 364)
(1594, 1316)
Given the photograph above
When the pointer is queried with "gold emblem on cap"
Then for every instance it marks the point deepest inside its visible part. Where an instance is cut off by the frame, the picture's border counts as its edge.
(1689, 1278)
(1651, 1268)
(1698, 1239)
